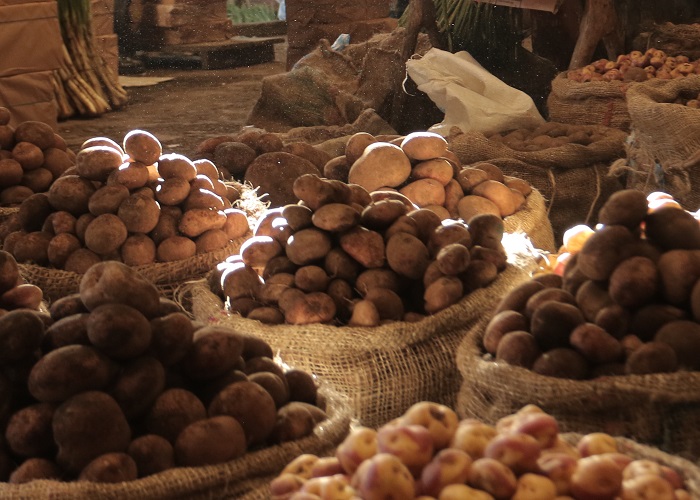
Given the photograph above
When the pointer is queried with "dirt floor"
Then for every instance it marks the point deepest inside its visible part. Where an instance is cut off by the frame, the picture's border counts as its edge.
(194, 105)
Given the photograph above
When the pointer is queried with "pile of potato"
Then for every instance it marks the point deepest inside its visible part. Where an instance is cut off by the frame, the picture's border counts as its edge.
(636, 66)
(118, 383)
(429, 453)
(130, 203)
(623, 298)
(263, 160)
(549, 135)
(32, 156)
(346, 256)
(420, 166)
(14, 292)
(692, 100)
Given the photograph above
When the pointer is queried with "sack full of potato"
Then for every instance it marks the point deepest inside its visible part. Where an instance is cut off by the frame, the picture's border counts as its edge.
(595, 94)
(609, 341)
(117, 393)
(556, 159)
(662, 154)
(167, 216)
(365, 290)
(429, 452)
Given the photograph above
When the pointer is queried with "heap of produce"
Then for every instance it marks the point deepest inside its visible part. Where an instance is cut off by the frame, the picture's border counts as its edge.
(624, 298)
(32, 156)
(130, 203)
(636, 66)
(549, 135)
(119, 383)
(346, 256)
(429, 453)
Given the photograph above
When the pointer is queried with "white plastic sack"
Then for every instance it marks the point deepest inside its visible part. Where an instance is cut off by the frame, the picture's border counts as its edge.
(471, 97)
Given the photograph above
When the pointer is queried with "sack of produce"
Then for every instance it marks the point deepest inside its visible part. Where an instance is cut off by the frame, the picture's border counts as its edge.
(662, 154)
(611, 343)
(119, 394)
(428, 452)
(167, 216)
(596, 93)
(375, 301)
(682, 39)
(556, 159)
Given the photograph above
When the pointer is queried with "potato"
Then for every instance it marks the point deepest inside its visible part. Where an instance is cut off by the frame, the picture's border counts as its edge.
(236, 225)
(112, 282)
(294, 421)
(499, 194)
(442, 293)
(634, 282)
(14, 195)
(311, 278)
(451, 232)
(175, 248)
(381, 214)
(595, 344)
(313, 307)
(23, 296)
(499, 325)
(107, 199)
(552, 322)
(335, 217)
(439, 169)
(472, 205)
(132, 175)
(67, 371)
(364, 314)
(35, 468)
(337, 168)
(425, 192)
(672, 228)
(651, 357)
(172, 191)
(66, 330)
(172, 411)
(204, 198)
(627, 207)
(381, 165)
(309, 245)
(198, 220)
(110, 468)
(152, 454)
(518, 184)
(142, 146)
(251, 405)
(210, 441)
(118, 330)
(138, 250)
(71, 193)
(101, 141)
(453, 194)
(11, 172)
(683, 336)
(518, 348)
(314, 191)
(469, 177)
(387, 302)
(591, 297)
(80, 260)
(600, 254)
(258, 250)
(305, 150)
(98, 162)
(166, 227)
(38, 180)
(562, 362)
(138, 385)
(424, 145)
(240, 280)
(214, 351)
(33, 212)
(234, 157)
(105, 234)
(139, 214)
(33, 247)
(407, 255)
(364, 245)
(274, 175)
(176, 165)
(356, 145)
(36, 132)
(679, 271)
(28, 155)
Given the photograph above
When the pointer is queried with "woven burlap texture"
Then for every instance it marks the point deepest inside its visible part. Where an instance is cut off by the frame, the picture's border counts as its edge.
(674, 39)
(383, 369)
(589, 103)
(660, 409)
(666, 134)
(246, 478)
(573, 179)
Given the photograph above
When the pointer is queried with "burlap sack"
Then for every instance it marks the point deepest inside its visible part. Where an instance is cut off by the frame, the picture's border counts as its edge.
(6, 223)
(573, 179)
(589, 103)
(246, 478)
(688, 470)
(532, 221)
(663, 150)
(384, 369)
(677, 39)
(661, 409)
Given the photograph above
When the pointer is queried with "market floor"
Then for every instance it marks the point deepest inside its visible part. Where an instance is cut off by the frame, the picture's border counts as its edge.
(193, 105)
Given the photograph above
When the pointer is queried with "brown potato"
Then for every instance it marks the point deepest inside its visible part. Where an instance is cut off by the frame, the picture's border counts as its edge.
(138, 385)
(381, 214)
(214, 351)
(499, 194)
(469, 177)
(14, 195)
(98, 162)
(211, 240)
(171, 338)
(118, 330)
(67, 330)
(34, 211)
(313, 307)
(107, 199)
(234, 157)
(356, 145)
(387, 302)
(21, 331)
(142, 146)
(335, 217)
(448, 233)
(552, 322)
(442, 293)
(518, 184)
(33, 247)
(494, 172)
(562, 363)
(175, 248)
(424, 145)
(139, 214)
(36, 132)
(274, 175)
(28, 155)
(210, 441)
(424, 192)
(472, 205)
(71, 193)
(11, 172)
(499, 325)
(453, 194)
(634, 282)
(486, 230)
(627, 207)
(309, 245)
(670, 228)
(236, 225)
(198, 220)
(172, 191)
(364, 245)
(152, 454)
(407, 255)
(132, 175)
(364, 313)
(600, 253)
(519, 348)
(80, 260)
(38, 180)
(172, 411)
(381, 165)
(651, 357)
(683, 336)
(315, 155)
(204, 198)
(110, 468)
(591, 297)
(105, 234)
(28, 432)
(138, 250)
(337, 168)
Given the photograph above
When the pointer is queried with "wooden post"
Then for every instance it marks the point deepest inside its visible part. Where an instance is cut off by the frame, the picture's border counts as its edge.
(599, 22)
